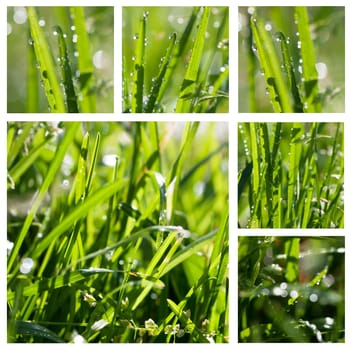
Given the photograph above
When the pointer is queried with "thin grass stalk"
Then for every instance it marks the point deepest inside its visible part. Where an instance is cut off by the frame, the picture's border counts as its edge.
(87, 100)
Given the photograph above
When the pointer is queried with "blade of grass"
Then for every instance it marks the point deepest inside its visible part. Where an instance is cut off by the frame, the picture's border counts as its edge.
(279, 94)
(87, 101)
(153, 98)
(36, 330)
(189, 84)
(67, 79)
(139, 61)
(312, 102)
(54, 167)
(46, 64)
(292, 251)
(32, 100)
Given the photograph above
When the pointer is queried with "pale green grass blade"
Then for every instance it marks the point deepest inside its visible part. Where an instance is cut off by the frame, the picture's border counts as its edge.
(54, 167)
(87, 101)
(46, 64)
(154, 97)
(279, 94)
(188, 88)
(139, 62)
(311, 99)
(66, 72)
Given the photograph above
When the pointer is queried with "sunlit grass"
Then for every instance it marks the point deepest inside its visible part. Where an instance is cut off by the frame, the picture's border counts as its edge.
(117, 232)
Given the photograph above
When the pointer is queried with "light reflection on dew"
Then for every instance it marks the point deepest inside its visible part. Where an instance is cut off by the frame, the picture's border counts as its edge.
(26, 265)
(313, 298)
(109, 159)
(20, 15)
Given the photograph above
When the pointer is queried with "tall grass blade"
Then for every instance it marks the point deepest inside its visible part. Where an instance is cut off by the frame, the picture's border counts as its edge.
(312, 102)
(67, 78)
(87, 100)
(279, 94)
(188, 88)
(139, 62)
(46, 64)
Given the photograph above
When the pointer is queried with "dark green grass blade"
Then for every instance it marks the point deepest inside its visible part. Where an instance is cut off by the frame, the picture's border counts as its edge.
(67, 78)
(46, 64)
(85, 63)
(139, 62)
(37, 331)
(311, 99)
(188, 88)
(157, 82)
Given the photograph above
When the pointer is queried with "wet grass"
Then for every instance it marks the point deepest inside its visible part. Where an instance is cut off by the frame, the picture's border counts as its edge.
(66, 56)
(109, 233)
(285, 59)
(175, 59)
(291, 289)
(291, 175)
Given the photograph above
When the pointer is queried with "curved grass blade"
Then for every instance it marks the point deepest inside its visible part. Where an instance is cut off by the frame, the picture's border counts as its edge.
(71, 98)
(47, 68)
(87, 100)
(156, 85)
(279, 94)
(189, 88)
(55, 165)
(138, 85)
(312, 102)
(36, 330)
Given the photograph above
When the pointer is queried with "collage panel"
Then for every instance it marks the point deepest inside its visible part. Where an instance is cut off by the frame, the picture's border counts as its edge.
(60, 59)
(291, 289)
(175, 59)
(291, 59)
(291, 175)
(118, 232)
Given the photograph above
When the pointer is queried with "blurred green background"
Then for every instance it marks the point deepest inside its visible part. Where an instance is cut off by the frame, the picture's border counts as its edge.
(327, 25)
(162, 22)
(99, 22)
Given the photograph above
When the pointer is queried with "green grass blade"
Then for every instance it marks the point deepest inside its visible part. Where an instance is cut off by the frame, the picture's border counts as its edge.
(79, 212)
(139, 62)
(157, 82)
(46, 64)
(54, 167)
(189, 84)
(292, 251)
(87, 100)
(67, 78)
(36, 330)
(32, 104)
(311, 99)
(279, 94)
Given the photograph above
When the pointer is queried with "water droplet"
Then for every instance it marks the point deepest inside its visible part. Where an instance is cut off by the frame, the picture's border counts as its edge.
(299, 44)
(254, 48)
(133, 58)
(44, 74)
(26, 265)
(30, 41)
(136, 36)
(297, 34)
(251, 10)
(42, 23)
(73, 28)
(146, 14)
(268, 27)
(75, 38)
